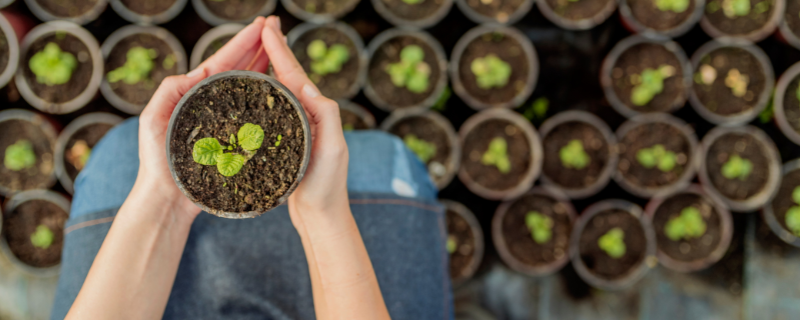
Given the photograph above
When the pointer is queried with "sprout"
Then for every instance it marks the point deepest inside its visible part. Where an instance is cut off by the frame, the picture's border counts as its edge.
(537, 109)
(793, 214)
(136, 68)
(441, 103)
(706, 75)
(42, 238)
(737, 82)
(209, 152)
(497, 155)
(79, 154)
(19, 156)
(423, 149)
(649, 84)
(411, 72)
(737, 167)
(52, 66)
(573, 156)
(490, 72)
(797, 92)
(326, 60)
(677, 6)
(735, 8)
(612, 243)
(689, 224)
(541, 226)
(169, 61)
(412, 2)
(452, 244)
(657, 156)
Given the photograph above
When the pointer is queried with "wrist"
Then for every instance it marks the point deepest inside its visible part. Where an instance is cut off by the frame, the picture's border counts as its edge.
(160, 199)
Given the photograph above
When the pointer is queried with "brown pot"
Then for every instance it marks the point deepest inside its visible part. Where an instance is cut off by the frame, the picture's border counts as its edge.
(70, 130)
(768, 211)
(478, 246)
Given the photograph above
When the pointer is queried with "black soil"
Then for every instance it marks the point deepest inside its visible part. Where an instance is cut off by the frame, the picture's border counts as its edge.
(353, 120)
(598, 261)
(461, 259)
(389, 52)
(220, 108)
(646, 136)
(499, 10)
(140, 93)
(792, 16)
(323, 6)
(507, 49)
(593, 143)
(578, 10)
(476, 144)
(695, 248)
(80, 76)
(235, 10)
(66, 9)
(428, 131)
(215, 45)
(747, 148)
(91, 134)
(518, 237)
(648, 56)
(148, 7)
(37, 176)
(791, 104)
(718, 97)
(413, 12)
(21, 223)
(5, 52)
(650, 16)
(783, 200)
(739, 25)
(332, 85)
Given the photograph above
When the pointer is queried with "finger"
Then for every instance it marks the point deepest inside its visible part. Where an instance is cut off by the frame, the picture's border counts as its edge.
(260, 65)
(245, 43)
(170, 92)
(322, 112)
(287, 69)
(258, 56)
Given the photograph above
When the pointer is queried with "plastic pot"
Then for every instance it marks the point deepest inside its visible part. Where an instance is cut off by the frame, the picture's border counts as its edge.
(12, 203)
(477, 17)
(690, 167)
(304, 15)
(786, 34)
(768, 213)
(502, 247)
(583, 24)
(528, 51)
(63, 138)
(780, 113)
(771, 152)
(47, 128)
(726, 228)
(453, 159)
(359, 110)
(477, 255)
(141, 19)
(763, 97)
(534, 144)
(754, 36)
(211, 18)
(648, 262)
(423, 23)
(45, 15)
(607, 82)
(250, 75)
(46, 29)
(636, 26)
(5, 3)
(590, 119)
(13, 51)
(208, 38)
(119, 35)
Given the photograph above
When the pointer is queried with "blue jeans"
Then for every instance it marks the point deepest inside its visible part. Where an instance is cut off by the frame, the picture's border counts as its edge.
(256, 268)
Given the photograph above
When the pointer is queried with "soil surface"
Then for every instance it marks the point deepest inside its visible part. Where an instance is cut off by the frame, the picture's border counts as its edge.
(519, 154)
(783, 200)
(215, 45)
(633, 62)
(792, 16)
(646, 13)
(332, 85)
(496, 9)
(791, 104)
(717, 97)
(747, 148)
(578, 10)
(235, 10)
(413, 12)
(518, 237)
(461, 259)
(80, 76)
(5, 52)
(593, 143)
(646, 136)
(740, 25)
(37, 176)
(353, 119)
(66, 9)
(91, 134)
(598, 261)
(20, 224)
(507, 49)
(389, 52)
(695, 248)
(140, 93)
(148, 7)
(323, 6)
(263, 179)
(428, 131)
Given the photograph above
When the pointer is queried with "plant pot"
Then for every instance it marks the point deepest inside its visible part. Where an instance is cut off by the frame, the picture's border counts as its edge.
(212, 41)
(133, 98)
(316, 11)
(421, 15)
(510, 46)
(346, 83)
(789, 28)
(593, 264)
(354, 116)
(40, 132)
(697, 253)
(641, 16)
(431, 127)
(506, 12)
(49, 10)
(514, 241)
(148, 12)
(242, 11)
(466, 231)
(578, 15)
(786, 103)
(749, 143)
(644, 132)
(716, 102)
(385, 49)
(85, 131)
(245, 194)
(9, 53)
(629, 58)
(85, 79)
(524, 154)
(5, 3)
(774, 213)
(48, 208)
(587, 128)
(753, 27)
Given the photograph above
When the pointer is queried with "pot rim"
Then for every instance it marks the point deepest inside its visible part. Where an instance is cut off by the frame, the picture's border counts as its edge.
(788, 35)
(47, 128)
(63, 138)
(780, 91)
(359, 110)
(756, 35)
(209, 17)
(768, 213)
(90, 15)
(13, 51)
(627, 16)
(210, 36)
(479, 18)
(468, 216)
(583, 24)
(318, 18)
(160, 18)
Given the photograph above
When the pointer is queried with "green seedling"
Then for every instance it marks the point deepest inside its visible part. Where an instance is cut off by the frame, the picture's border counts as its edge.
(491, 72)
(169, 61)
(735, 8)
(537, 110)
(676, 6)
(412, 2)
(497, 155)
(326, 60)
(768, 113)
(793, 214)
(688, 225)
(52, 66)
(137, 67)
(541, 226)
(441, 103)
(612, 243)
(573, 156)
(737, 168)
(411, 71)
(19, 156)
(452, 244)
(761, 7)
(737, 82)
(657, 156)
(78, 155)
(797, 93)
(42, 238)
(423, 149)
(348, 127)
(649, 84)
(209, 152)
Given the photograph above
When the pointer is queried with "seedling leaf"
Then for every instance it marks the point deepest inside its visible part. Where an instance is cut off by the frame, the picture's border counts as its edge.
(251, 136)
(612, 243)
(137, 67)
(657, 156)
(19, 156)
(573, 156)
(796, 195)
(737, 168)
(490, 72)
(206, 151)
(423, 149)
(541, 226)
(229, 164)
(689, 224)
(452, 244)
(411, 71)
(497, 155)
(651, 83)
(793, 220)
(52, 66)
(42, 238)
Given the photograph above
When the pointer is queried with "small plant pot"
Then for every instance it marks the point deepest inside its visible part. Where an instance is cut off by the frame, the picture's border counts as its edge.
(316, 11)
(581, 15)
(786, 103)
(641, 16)
(789, 28)
(749, 143)
(510, 46)
(275, 169)
(354, 116)
(694, 254)
(9, 51)
(85, 79)
(774, 213)
(148, 12)
(495, 11)
(15, 125)
(593, 264)
(431, 127)
(79, 12)
(83, 132)
(23, 213)
(211, 41)
(346, 83)
(716, 101)
(233, 11)
(514, 241)
(132, 98)
(466, 231)
(644, 132)
(753, 27)
(627, 61)
(385, 49)
(524, 152)
(598, 142)
(5, 3)
(421, 15)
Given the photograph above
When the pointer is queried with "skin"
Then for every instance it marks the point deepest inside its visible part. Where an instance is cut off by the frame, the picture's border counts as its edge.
(133, 273)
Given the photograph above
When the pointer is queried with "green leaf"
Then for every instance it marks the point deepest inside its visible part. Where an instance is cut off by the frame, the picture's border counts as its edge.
(229, 164)
(573, 156)
(137, 67)
(19, 156)
(737, 167)
(43, 237)
(541, 226)
(441, 103)
(412, 54)
(206, 151)
(52, 66)
(793, 220)
(497, 155)
(796, 195)
(452, 244)
(797, 92)
(251, 136)
(317, 49)
(676, 6)
(490, 72)
(651, 83)
(424, 150)
(688, 225)
(612, 243)
(657, 156)
(411, 71)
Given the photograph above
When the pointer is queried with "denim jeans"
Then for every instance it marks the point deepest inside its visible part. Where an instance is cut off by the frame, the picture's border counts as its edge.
(256, 268)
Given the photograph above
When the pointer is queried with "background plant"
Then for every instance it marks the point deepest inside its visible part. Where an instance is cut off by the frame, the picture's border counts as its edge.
(452, 244)
(649, 83)
(209, 152)
(497, 155)
(490, 72)
(52, 66)
(19, 156)
(612, 243)
(689, 224)
(657, 156)
(326, 60)
(137, 67)
(79, 154)
(737, 168)
(676, 6)
(737, 82)
(423, 149)
(42, 238)
(411, 71)
(541, 226)
(573, 156)
(793, 214)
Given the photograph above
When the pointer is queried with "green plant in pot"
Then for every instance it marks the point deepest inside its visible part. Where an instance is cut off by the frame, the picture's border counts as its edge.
(209, 152)
(541, 226)
(657, 156)
(52, 66)
(490, 72)
(688, 225)
(423, 149)
(676, 6)
(19, 156)
(326, 60)
(737, 168)
(612, 243)
(411, 72)
(43, 237)
(452, 244)
(137, 67)
(573, 156)
(792, 218)
(497, 155)
(649, 83)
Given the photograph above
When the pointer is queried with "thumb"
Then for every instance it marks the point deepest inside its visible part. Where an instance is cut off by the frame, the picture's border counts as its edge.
(170, 92)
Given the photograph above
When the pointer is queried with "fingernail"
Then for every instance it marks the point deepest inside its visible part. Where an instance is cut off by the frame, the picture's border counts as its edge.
(285, 39)
(309, 91)
(278, 24)
(195, 72)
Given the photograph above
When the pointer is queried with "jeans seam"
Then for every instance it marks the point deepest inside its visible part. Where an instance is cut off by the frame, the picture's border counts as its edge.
(410, 203)
(85, 224)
